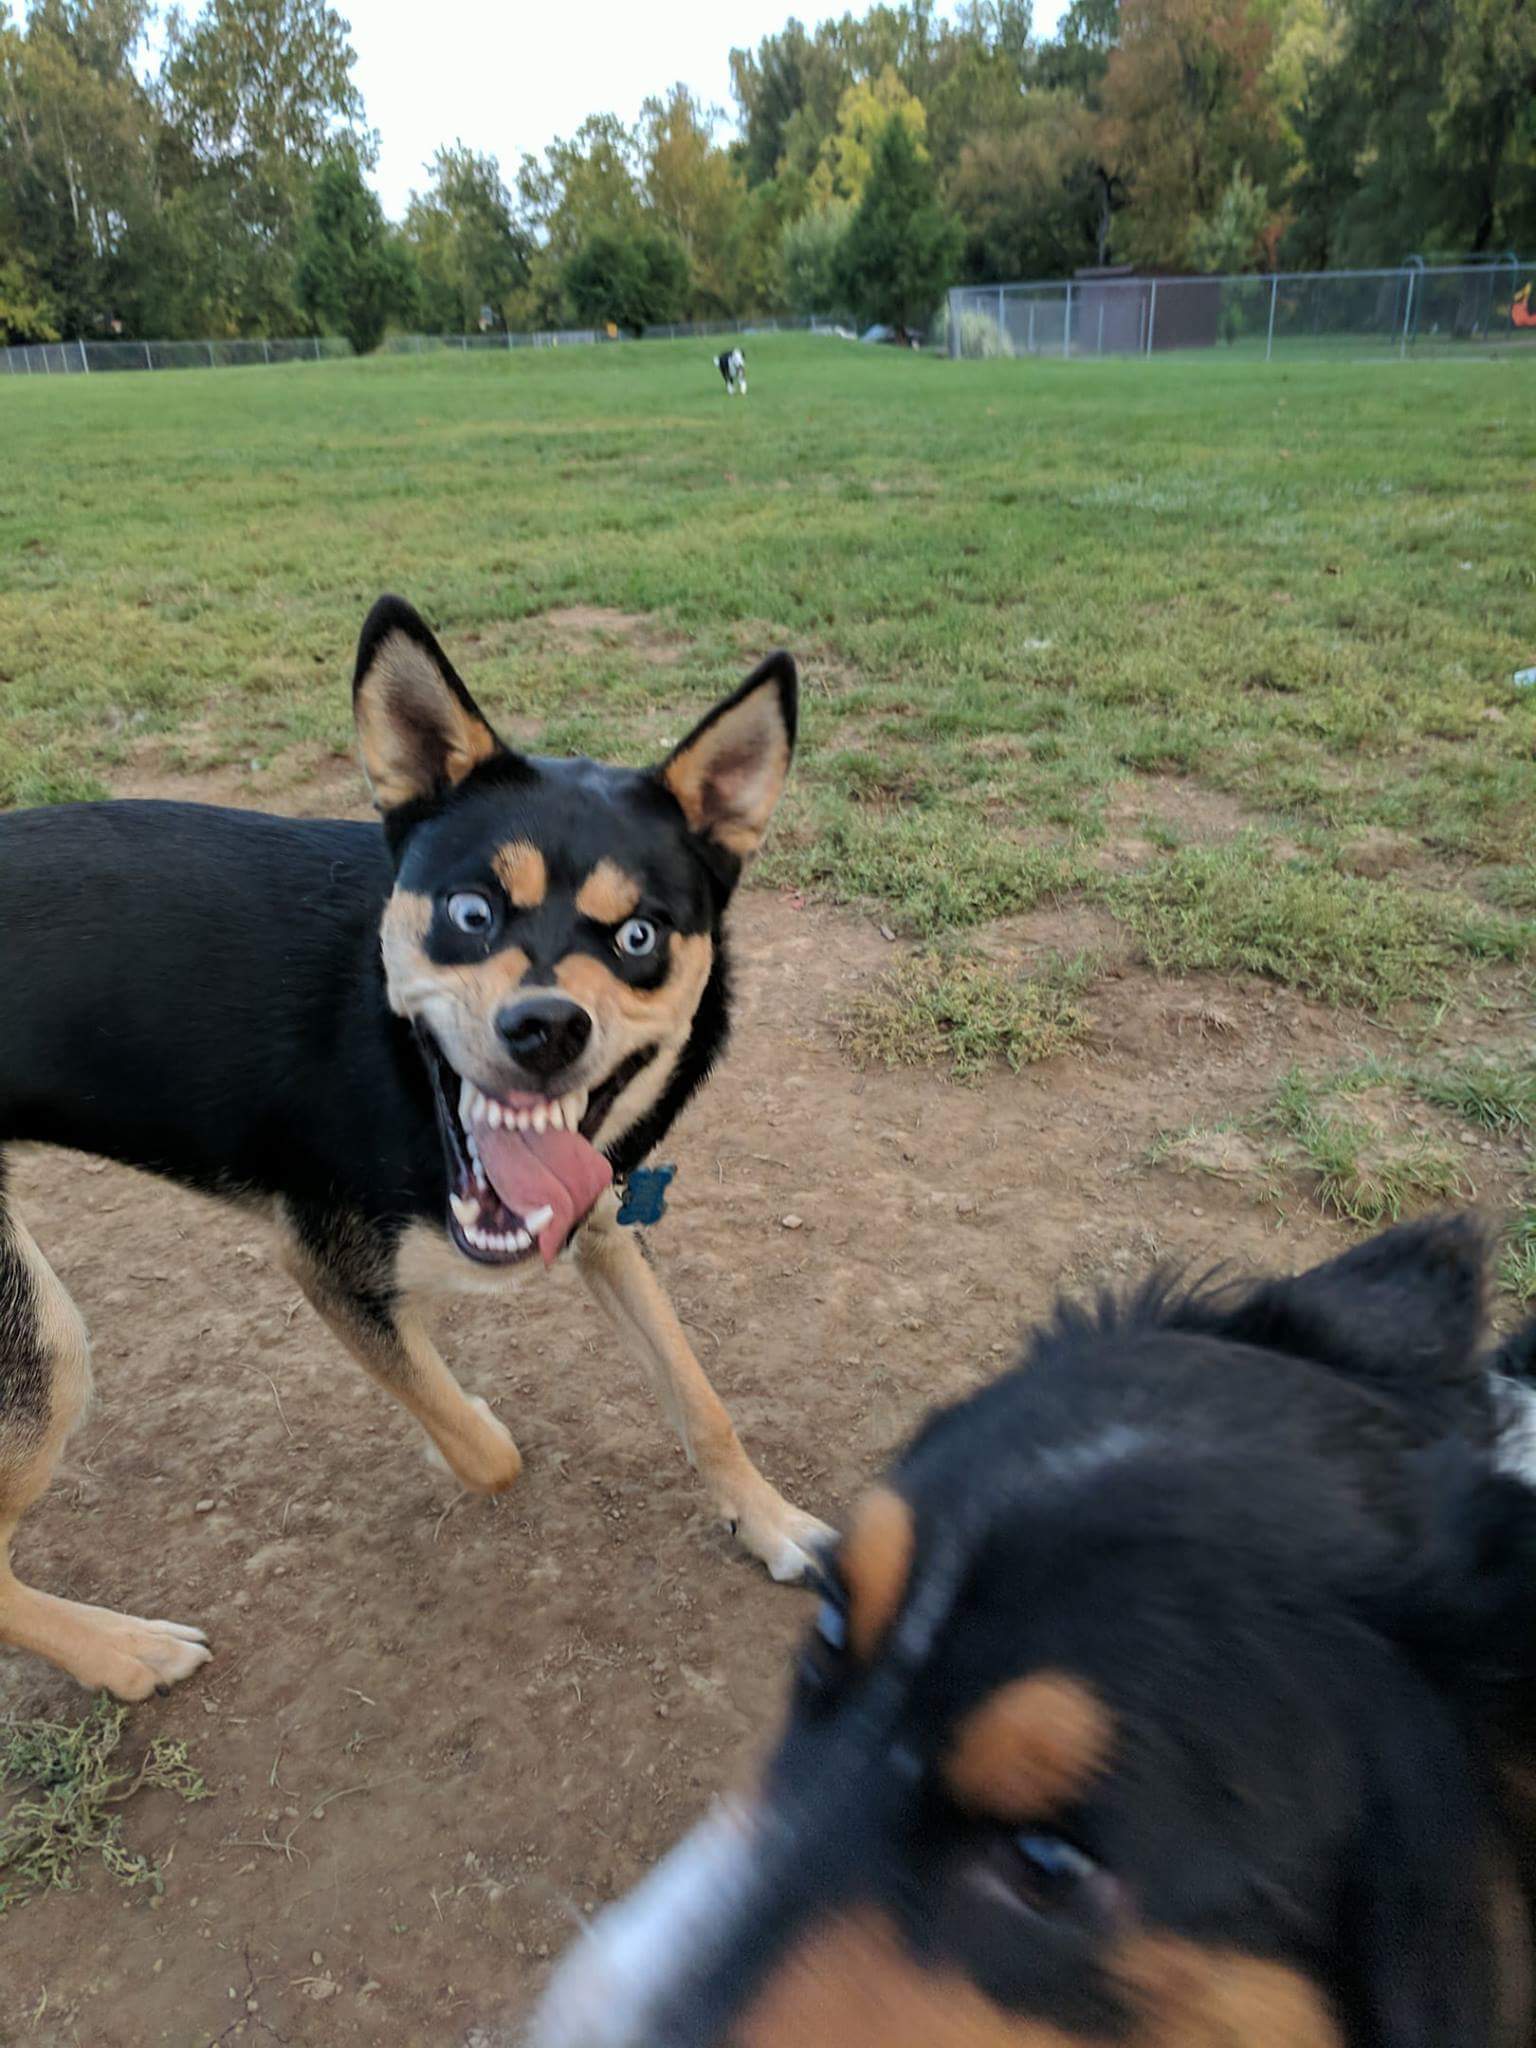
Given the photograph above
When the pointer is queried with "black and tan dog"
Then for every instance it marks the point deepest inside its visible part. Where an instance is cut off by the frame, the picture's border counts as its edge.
(1177, 1691)
(425, 1052)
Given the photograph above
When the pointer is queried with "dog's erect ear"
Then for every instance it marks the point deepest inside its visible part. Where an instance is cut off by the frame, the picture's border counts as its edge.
(1403, 1312)
(730, 771)
(419, 729)
(1440, 1947)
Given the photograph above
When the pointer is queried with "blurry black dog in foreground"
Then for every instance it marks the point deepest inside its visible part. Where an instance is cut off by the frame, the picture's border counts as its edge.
(1177, 1690)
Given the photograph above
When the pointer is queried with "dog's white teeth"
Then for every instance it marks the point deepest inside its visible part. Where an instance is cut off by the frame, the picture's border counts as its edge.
(540, 1118)
(521, 1240)
(466, 1208)
(535, 1223)
(480, 1180)
(493, 1115)
(574, 1106)
(556, 1117)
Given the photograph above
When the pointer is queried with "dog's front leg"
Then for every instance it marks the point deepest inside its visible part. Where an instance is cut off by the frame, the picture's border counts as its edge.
(614, 1268)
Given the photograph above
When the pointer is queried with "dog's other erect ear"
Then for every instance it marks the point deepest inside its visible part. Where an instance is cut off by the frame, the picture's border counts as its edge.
(419, 729)
(730, 771)
(1404, 1313)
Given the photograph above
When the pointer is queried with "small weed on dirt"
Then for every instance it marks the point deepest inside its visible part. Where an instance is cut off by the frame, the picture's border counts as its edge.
(70, 1782)
(1239, 909)
(1497, 1093)
(1367, 1171)
(964, 1011)
(1517, 1268)
(935, 870)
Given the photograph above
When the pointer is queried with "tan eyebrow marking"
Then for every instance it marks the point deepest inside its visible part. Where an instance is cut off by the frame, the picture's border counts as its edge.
(608, 895)
(875, 1561)
(1032, 1748)
(521, 871)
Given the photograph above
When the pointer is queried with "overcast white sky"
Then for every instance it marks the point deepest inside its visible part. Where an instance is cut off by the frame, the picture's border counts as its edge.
(506, 78)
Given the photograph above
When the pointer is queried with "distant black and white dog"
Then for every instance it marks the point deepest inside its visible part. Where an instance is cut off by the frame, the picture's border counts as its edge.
(733, 368)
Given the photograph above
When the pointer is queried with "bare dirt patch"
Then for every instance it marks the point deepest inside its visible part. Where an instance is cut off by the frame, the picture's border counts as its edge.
(584, 627)
(439, 1731)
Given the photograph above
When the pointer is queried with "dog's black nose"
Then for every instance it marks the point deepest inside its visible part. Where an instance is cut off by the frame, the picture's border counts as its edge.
(545, 1034)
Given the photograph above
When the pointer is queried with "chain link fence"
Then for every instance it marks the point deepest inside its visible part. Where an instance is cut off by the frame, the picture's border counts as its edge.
(1415, 310)
(87, 358)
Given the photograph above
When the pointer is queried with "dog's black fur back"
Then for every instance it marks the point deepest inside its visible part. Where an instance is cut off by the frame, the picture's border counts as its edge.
(202, 997)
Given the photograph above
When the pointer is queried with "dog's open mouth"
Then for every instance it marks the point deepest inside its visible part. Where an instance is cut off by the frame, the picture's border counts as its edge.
(522, 1169)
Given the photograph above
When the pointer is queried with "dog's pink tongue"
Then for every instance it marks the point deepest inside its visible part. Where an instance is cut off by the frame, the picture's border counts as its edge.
(533, 1170)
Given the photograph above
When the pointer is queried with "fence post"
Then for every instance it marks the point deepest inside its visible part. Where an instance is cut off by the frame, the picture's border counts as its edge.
(1031, 327)
(85, 361)
(266, 353)
(210, 355)
(317, 348)
(1151, 315)
(1407, 316)
(1269, 339)
(1066, 325)
(149, 361)
(1101, 323)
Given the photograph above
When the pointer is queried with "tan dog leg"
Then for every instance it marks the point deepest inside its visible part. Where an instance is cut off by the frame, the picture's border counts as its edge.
(45, 1381)
(615, 1269)
(394, 1349)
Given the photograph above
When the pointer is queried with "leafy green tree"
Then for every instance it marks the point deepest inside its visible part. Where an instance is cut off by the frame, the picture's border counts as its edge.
(352, 275)
(1185, 108)
(1418, 135)
(792, 77)
(77, 162)
(902, 249)
(847, 155)
(26, 312)
(1230, 237)
(1077, 59)
(694, 190)
(811, 252)
(630, 278)
(581, 184)
(254, 94)
(1027, 194)
(469, 252)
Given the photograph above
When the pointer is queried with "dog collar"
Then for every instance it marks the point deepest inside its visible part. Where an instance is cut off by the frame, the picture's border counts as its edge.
(643, 1194)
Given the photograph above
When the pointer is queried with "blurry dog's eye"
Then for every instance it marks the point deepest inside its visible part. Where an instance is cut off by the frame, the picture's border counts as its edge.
(823, 1658)
(1057, 1881)
(636, 938)
(469, 911)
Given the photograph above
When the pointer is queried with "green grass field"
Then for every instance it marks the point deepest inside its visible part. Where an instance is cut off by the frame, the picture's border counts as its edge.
(1018, 590)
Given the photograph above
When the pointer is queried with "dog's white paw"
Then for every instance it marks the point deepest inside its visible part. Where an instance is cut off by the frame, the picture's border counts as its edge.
(781, 1537)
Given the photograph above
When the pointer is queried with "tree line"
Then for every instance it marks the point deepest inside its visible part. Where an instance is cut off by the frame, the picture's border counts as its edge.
(223, 190)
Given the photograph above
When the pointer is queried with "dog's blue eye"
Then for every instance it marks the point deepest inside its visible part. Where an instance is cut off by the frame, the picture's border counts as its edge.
(832, 1625)
(636, 938)
(469, 911)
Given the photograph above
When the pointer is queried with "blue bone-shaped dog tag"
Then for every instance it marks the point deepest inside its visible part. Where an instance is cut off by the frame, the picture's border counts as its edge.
(645, 1194)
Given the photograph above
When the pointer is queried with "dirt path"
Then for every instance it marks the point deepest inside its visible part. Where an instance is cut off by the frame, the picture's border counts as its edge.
(439, 1730)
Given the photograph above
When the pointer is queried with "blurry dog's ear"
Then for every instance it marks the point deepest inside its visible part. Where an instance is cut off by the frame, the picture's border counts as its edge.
(1443, 1937)
(1403, 1312)
(730, 772)
(419, 730)
(1420, 1907)
(1464, 1607)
